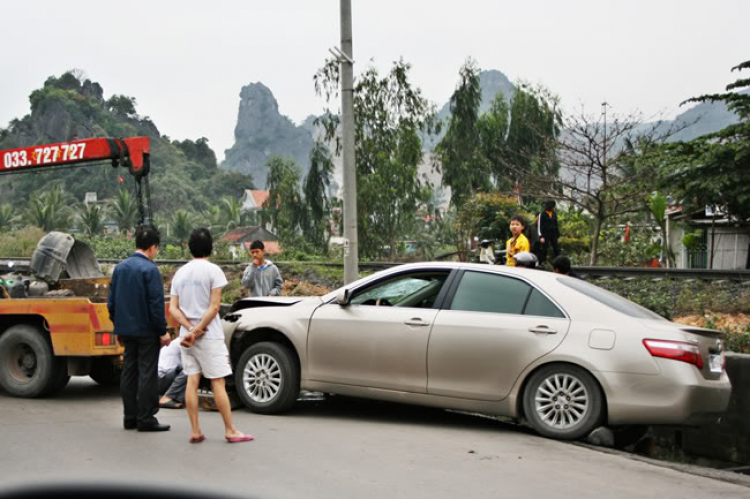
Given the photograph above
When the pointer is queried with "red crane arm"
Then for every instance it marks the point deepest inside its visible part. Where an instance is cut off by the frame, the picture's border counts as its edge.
(133, 153)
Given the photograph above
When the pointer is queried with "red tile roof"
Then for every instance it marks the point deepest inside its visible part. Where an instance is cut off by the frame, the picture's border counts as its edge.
(235, 234)
(260, 197)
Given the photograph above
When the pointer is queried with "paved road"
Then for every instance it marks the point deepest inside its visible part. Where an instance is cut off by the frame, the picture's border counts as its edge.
(329, 449)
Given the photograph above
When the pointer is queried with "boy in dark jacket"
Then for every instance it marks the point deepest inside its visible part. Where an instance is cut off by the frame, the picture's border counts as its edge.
(548, 231)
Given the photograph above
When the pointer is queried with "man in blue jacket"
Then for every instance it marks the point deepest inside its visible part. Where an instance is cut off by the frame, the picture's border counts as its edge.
(136, 307)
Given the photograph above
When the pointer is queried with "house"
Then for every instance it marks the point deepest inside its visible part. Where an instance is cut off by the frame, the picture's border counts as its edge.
(239, 240)
(714, 238)
(254, 201)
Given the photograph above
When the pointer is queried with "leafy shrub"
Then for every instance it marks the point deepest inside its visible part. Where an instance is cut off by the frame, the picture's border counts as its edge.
(110, 247)
(20, 243)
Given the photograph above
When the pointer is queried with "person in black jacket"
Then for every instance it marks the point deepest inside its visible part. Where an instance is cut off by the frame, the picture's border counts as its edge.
(136, 307)
(547, 231)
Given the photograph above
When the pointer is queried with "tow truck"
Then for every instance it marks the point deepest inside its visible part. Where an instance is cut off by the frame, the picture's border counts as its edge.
(54, 321)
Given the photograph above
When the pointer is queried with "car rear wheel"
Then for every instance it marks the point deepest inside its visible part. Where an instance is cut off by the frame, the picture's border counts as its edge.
(267, 378)
(28, 366)
(563, 401)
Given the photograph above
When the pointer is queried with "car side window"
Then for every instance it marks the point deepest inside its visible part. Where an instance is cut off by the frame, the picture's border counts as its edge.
(540, 306)
(414, 290)
(493, 293)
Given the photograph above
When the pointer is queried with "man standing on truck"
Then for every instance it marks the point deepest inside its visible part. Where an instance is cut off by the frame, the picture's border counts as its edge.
(136, 308)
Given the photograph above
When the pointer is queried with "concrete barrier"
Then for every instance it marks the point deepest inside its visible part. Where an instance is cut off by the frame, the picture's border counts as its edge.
(729, 438)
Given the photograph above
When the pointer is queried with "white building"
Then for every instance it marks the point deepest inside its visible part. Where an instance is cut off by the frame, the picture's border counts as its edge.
(716, 237)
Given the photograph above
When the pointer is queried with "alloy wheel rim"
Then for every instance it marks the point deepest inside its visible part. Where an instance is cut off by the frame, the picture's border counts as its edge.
(261, 378)
(561, 401)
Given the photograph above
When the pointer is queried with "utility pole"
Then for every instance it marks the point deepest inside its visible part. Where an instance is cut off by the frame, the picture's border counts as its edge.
(351, 246)
(604, 108)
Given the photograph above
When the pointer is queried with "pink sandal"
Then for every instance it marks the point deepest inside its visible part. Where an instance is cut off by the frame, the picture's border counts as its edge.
(243, 438)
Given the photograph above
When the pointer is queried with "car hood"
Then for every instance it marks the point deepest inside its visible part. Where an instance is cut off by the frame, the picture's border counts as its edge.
(270, 301)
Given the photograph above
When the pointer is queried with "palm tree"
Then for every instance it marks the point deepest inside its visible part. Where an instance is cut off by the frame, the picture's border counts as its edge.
(213, 218)
(49, 210)
(8, 217)
(89, 218)
(233, 214)
(124, 211)
(182, 225)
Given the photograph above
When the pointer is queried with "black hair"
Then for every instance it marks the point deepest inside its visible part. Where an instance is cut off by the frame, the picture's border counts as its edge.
(201, 244)
(146, 236)
(549, 205)
(519, 218)
(258, 245)
(562, 264)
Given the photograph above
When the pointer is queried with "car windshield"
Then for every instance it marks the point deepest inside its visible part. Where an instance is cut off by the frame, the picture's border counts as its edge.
(611, 300)
(403, 292)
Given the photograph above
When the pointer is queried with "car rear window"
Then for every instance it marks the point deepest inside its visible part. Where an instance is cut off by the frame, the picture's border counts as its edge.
(538, 305)
(611, 300)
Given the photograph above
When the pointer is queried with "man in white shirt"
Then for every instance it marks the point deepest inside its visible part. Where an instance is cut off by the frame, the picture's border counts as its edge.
(172, 379)
(196, 297)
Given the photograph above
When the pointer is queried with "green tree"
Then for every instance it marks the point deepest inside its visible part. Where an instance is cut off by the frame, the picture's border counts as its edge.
(283, 204)
(390, 117)
(232, 215)
(89, 219)
(124, 210)
(531, 144)
(182, 226)
(213, 219)
(49, 211)
(493, 132)
(464, 168)
(602, 174)
(8, 217)
(316, 184)
(714, 169)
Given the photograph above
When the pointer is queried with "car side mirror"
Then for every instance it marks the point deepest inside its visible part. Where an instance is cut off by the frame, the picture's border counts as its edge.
(343, 297)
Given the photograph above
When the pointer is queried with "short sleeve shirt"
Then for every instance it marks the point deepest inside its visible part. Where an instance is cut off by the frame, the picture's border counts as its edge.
(193, 284)
(520, 245)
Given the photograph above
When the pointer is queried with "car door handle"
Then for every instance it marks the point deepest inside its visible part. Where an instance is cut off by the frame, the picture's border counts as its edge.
(542, 329)
(416, 321)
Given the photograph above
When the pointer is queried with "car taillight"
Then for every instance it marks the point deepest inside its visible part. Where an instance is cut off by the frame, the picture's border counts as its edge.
(675, 350)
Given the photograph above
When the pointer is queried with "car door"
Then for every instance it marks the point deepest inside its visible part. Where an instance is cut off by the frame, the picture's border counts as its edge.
(380, 339)
(490, 328)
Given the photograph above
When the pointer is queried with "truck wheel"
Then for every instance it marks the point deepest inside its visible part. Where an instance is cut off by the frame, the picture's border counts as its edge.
(267, 378)
(104, 372)
(28, 366)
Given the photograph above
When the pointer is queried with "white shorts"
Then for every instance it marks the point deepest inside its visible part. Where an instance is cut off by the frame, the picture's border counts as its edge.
(207, 357)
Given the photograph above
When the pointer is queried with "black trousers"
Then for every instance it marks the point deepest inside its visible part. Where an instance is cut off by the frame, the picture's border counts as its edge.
(139, 383)
(544, 248)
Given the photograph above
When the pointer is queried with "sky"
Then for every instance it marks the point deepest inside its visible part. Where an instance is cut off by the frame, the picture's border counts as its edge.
(186, 61)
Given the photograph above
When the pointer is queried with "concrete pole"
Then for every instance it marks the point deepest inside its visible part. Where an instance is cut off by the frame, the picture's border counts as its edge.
(351, 247)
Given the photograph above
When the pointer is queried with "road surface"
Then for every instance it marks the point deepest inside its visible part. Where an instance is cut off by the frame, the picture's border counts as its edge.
(336, 448)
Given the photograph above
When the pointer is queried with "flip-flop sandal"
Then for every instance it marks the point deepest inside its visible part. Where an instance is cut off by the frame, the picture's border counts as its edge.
(197, 440)
(171, 405)
(243, 438)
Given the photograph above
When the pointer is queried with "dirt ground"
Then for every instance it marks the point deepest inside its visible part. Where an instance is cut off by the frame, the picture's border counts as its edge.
(724, 322)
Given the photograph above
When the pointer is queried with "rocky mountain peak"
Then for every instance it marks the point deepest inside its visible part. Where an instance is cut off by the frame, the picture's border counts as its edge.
(262, 132)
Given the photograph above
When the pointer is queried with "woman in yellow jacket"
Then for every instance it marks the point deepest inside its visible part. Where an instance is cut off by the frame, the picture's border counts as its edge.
(518, 243)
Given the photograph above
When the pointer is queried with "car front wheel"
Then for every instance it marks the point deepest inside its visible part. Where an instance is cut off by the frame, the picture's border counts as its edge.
(563, 401)
(267, 378)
